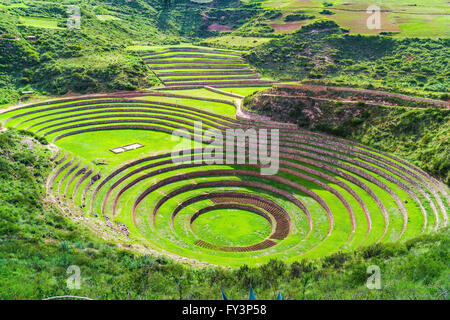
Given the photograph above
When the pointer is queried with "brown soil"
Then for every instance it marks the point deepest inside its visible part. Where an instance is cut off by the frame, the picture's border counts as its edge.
(322, 91)
(288, 27)
(218, 27)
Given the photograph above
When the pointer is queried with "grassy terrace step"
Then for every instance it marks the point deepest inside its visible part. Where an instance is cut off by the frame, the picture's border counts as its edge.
(194, 62)
(188, 63)
(381, 162)
(16, 117)
(118, 113)
(361, 148)
(215, 76)
(225, 93)
(171, 50)
(188, 67)
(175, 56)
(75, 176)
(211, 73)
(140, 118)
(220, 82)
(192, 53)
(329, 194)
(211, 78)
(197, 86)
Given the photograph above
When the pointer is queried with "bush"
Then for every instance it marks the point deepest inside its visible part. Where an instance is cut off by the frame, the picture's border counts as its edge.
(298, 269)
(298, 17)
(326, 12)
(357, 274)
(42, 140)
(371, 251)
(271, 14)
(336, 260)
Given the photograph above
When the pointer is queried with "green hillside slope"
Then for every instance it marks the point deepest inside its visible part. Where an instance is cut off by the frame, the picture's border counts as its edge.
(325, 51)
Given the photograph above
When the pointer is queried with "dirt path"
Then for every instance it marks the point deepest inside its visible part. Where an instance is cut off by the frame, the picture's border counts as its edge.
(318, 89)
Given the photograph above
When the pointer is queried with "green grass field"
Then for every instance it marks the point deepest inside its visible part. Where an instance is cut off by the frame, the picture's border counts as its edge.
(231, 227)
(40, 22)
(235, 42)
(107, 17)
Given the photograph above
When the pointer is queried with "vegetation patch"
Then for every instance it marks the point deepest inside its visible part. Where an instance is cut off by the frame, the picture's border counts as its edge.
(231, 227)
(298, 17)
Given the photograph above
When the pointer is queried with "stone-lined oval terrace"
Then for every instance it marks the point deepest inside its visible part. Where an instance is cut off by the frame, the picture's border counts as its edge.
(328, 195)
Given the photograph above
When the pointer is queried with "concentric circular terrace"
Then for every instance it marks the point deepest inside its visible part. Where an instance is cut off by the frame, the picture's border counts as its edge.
(329, 194)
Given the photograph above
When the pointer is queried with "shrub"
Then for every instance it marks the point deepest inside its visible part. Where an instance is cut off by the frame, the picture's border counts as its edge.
(357, 274)
(371, 251)
(298, 17)
(271, 14)
(336, 260)
(326, 12)
(298, 269)
(65, 246)
(42, 140)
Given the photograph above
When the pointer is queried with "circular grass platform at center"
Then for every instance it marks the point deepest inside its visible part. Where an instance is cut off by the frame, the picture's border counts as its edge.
(231, 227)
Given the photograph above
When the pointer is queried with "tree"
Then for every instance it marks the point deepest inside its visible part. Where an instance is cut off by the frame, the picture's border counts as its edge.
(273, 271)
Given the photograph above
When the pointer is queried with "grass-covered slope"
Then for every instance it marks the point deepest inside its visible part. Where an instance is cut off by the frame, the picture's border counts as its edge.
(59, 61)
(55, 60)
(326, 52)
(420, 18)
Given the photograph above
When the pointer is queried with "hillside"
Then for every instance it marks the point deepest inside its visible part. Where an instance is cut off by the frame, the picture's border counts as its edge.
(58, 60)
(174, 149)
(420, 18)
(95, 55)
(39, 52)
(327, 52)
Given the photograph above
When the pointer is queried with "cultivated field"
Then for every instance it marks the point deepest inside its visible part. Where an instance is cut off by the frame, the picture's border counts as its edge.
(422, 18)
